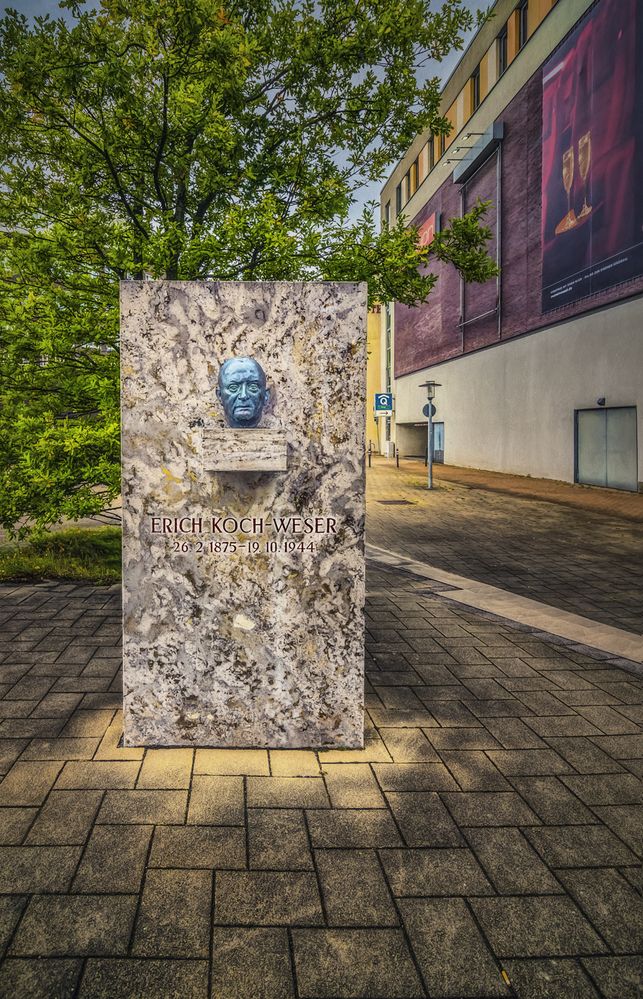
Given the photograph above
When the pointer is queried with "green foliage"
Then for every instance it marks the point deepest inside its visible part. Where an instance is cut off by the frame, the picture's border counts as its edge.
(88, 555)
(189, 139)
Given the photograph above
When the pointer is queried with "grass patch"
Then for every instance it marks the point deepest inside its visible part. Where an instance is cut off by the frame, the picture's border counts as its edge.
(87, 555)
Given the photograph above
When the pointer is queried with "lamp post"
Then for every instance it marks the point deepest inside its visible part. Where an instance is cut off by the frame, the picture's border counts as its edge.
(428, 412)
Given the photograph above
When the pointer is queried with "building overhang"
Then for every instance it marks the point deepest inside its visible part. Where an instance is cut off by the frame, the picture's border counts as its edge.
(480, 151)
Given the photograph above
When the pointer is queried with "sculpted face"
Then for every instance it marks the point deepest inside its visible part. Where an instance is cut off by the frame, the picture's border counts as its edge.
(242, 391)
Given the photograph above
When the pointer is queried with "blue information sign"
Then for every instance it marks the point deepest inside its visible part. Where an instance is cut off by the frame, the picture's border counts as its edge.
(383, 402)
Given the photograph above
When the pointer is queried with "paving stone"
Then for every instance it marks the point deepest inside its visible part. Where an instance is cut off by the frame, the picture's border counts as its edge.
(294, 763)
(355, 962)
(374, 751)
(434, 872)
(497, 808)
(513, 733)
(545, 979)
(251, 963)
(30, 688)
(37, 868)
(593, 695)
(608, 721)
(621, 747)
(143, 807)
(352, 785)
(75, 926)
(474, 771)
(612, 905)
(414, 777)
(54, 978)
(28, 783)
(144, 979)
(30, 728)
(114, 859)
(216, 801)
(461, 738)
(11, 908)
(542, 702)
(511, 864)
(400, 718)
(352, 828)
(166, 768)
(407, 745)
(103, 775)
(423, 820)
(536, 926)
(65, 818)
(267, 898)
(528, 761)
(617, 977)
(174, 917)
(567, 725)
(60, 749)
(451, 952)
(354, 890)
(14, 824)
(579, 846)
(277, 839)
(584, 756)
(56, 705)
(86, 724)
(287, 792)
(16, 709)
(611, 789)
(552, 801)
(199, 846)
(452, 714)
(10, 750)
(626, 821)
(231, 762)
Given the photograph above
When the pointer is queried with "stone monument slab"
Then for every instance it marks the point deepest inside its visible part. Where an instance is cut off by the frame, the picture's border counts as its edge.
(243, 513)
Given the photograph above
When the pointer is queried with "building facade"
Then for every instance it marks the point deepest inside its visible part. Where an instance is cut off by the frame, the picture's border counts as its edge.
(541, 369)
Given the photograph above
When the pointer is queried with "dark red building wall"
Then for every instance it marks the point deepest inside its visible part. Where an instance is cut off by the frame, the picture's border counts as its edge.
(431, 333)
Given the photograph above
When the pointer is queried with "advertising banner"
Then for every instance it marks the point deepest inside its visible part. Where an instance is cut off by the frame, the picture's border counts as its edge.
(592, 148)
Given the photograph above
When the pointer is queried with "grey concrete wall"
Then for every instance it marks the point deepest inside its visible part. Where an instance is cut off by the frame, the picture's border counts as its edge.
(510, 408)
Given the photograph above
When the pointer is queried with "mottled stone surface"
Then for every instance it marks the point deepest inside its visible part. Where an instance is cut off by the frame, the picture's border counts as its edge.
(237, 633)
(242, 451)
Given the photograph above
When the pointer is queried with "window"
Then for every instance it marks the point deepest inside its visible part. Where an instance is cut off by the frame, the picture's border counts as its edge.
(475, 89)
(423, 162)
(501, 51)
(431, 152)
(413, 178)
(405, 189)
(398, 199)
(523, 24)
(442, 144)
(387, 214)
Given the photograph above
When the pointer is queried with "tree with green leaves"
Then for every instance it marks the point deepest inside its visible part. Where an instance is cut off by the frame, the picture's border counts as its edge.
(190, 140)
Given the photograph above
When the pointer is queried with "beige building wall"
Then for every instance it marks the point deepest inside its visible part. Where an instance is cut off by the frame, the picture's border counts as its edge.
(510, 408)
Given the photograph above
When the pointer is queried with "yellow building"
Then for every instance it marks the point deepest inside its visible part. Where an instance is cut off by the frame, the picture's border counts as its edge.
(373, 375)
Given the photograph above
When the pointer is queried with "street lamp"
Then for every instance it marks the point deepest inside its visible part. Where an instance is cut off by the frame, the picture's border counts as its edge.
(428, 412)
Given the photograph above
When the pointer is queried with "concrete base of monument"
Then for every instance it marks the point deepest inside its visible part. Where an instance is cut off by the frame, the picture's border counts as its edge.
(243, 550)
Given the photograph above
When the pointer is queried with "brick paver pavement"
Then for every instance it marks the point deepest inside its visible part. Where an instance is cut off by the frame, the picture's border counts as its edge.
(489, 833)
(579, 560)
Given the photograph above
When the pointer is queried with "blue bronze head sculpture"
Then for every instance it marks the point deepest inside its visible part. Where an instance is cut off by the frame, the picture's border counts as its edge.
(242, 391)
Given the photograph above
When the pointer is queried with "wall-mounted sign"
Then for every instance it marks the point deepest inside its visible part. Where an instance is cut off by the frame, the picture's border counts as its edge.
(383, 403)
(428, 229)
(592, 149)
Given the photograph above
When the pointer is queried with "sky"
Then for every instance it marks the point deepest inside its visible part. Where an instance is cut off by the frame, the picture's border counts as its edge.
(366, 194)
